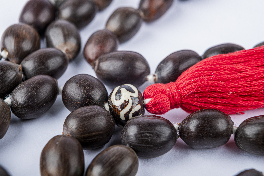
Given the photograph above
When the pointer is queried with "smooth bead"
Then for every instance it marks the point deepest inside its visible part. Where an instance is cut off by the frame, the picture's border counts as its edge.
(206, 129)
(151, 10)
(125, 102)
(83, 90)
(10, 76)
(56, 3)
(34, 97)
(101, 42)
(249, 135)
(80, 12)
(258, 45)
(175, 64)
(250, 172)
(122, 67)
(117, 160)
(3, 172)
(102, 4)
(149, 136)
(124, 23)
(20, 40)
(38, 14)
(5, 117)
(48, 61)
(62, 156)
(92, 126)
(64, 36)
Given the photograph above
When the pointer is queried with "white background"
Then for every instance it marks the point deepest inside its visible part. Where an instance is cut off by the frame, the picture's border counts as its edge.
(191, 24)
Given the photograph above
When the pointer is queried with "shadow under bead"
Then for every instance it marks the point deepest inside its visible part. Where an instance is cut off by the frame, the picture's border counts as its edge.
(5, 118)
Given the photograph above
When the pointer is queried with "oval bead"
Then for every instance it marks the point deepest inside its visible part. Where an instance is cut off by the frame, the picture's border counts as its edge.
(258, 45)
(64, 36)
(19, 40)
(151, 10)
(206, 129)
(80, 12)
(38, 14)
(101, 42)
(102, 4)
(5, 117)
(250, 172)
(122, 67)
(224, 48)
(62, 155)
(117, 160)
(3, 172)
(92, 126)
(249, 136)
(125, 102)
(10, 76)
(48, 61)
(83, 90)
(124, 23)
(149, 136)
(34, 97)
(56, 3)
(170, 68)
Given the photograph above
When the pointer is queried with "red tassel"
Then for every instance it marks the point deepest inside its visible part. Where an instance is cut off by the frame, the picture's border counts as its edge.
(231, 83)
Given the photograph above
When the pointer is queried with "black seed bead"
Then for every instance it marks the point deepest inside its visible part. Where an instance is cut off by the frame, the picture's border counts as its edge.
(258, 45)
(3, 172)
(102, 4)
(5, 117)
(250, 172)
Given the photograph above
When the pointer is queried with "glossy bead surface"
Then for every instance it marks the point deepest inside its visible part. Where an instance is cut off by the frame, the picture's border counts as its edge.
(122, 67)
(249, 135)
(48, 61)
(124, 23)
(3, 172)
(125, 102)
(117, 160)
(250, 172)
(224, 48)
(34, 97)
(149, 136)
(10, 76)
(80, 12)
(101, 42)
(5, 117)
(83, 90)
(92, 126)
(175, 64)
(38, 14)
(206, 129)
(64, 36)
(19, 40)
(151, 10)
(56, 3)
(62, 155)
(102, 4)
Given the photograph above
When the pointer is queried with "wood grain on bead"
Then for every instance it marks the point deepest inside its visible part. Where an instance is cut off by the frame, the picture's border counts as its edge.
(206, 129)
(62, 156)
(170, 68)
(149, 136)
(117, 160)
(48, 61)
(10, 76)
(101, 42)
(250, 172)
(5, 117)
(122, 67)
(124, 23)
(34, 97)
(92, 126)
(20, 40)
(3, 172)
(151, 10)
(83, 90)
(64, 36)
(102, 4)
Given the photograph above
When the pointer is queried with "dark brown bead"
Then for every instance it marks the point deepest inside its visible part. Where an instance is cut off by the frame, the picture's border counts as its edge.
(250, 172)
(175, 64)
(5, 117)
(205, 129)
(38, 14)
(258, 45)
(122, 67)
(102, 4)
(19, 40)
(149, 136)
(48, 61)
(83, 90)
(34, 97)
(117, 160)
(124, 23)
(101, 42)
(62, 155)
(3, 172)
(249, 135)
(80, 12)
(10, 76)
(56, 3)
(64, 36)
(151, 10)
(224, 48)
